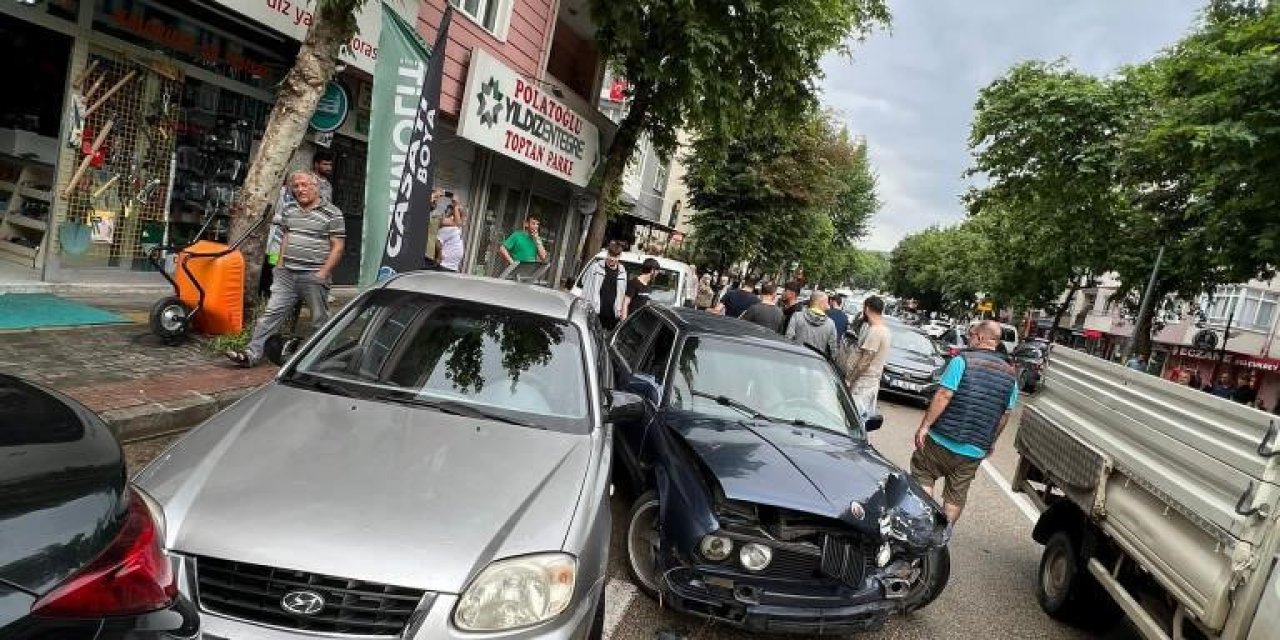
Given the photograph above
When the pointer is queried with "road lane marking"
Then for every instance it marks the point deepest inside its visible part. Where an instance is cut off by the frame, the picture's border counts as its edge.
(618, 595)
(1021, 501)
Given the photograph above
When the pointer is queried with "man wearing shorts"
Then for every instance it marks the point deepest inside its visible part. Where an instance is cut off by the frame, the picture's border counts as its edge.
(965, 418)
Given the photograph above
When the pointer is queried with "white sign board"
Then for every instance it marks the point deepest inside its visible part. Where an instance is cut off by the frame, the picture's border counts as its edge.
(293, 17)
(521, 119)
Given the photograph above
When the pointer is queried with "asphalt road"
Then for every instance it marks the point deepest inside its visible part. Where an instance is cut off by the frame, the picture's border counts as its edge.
(991, 594)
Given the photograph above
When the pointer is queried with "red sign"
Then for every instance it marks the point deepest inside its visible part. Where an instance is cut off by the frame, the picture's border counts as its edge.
(1092, 334)
(1233, 359)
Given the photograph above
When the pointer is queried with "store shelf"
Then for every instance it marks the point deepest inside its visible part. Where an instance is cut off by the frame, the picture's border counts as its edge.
(26, 192)
(23, 221)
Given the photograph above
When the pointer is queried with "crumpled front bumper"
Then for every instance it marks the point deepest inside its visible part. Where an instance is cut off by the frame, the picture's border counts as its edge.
(764, 605)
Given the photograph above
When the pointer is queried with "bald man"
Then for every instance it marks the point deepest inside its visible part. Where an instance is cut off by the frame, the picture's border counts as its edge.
(965, 418)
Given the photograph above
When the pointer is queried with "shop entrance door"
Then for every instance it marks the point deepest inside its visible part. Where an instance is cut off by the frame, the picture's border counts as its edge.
(551, 216)
(348, 195)
(503, 215)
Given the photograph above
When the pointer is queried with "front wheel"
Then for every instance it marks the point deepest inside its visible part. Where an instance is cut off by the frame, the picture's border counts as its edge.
(170, 319)
(934, 574)
(643, 531)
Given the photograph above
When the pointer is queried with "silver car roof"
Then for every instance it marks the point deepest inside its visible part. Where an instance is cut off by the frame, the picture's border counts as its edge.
(507, 293)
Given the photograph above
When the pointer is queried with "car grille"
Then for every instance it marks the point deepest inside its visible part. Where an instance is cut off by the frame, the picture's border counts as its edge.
(789, 564)
(254, 592)
(844, 560)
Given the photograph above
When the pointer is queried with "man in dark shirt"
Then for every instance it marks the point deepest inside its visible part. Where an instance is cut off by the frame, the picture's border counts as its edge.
(766, 312)
(638, 288)
(838, 316)
(790, 302)
(1244, 392)
(735, 303)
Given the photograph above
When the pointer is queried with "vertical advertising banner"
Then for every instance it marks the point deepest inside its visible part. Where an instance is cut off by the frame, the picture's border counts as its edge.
(401, 161)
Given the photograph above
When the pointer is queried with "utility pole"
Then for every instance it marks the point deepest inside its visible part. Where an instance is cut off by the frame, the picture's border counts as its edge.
(1146, 302)
(1222, 350)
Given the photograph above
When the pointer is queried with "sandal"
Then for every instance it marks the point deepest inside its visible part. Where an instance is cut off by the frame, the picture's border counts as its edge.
(240, 358)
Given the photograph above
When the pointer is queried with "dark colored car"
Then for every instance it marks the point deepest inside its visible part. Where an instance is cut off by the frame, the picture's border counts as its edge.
(913, 367)
(80, 549)
(761, 502)
(1029, 360)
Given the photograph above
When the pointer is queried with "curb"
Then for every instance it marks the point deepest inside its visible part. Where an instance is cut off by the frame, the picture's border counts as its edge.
(152, 420)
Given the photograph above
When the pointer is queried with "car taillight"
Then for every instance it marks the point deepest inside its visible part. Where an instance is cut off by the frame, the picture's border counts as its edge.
(131, 576)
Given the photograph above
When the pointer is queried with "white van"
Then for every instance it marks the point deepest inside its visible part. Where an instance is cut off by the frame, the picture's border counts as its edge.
(675, 283)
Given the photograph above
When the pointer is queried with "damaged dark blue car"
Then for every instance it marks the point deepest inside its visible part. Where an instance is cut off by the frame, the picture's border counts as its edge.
(760, 502)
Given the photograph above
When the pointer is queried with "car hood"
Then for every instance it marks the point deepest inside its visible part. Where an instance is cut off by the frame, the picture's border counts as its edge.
(803, 469)
(381, 492)
(912, 361)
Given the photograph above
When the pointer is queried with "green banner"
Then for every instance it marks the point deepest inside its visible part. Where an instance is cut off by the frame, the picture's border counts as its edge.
(397, 83)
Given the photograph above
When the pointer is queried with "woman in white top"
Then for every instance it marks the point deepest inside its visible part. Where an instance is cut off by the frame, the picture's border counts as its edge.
(449, 246)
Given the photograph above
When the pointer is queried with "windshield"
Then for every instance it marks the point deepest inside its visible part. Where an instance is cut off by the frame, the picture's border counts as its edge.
(404, 346)
(913, 342)
(663, 289)
(714, 375)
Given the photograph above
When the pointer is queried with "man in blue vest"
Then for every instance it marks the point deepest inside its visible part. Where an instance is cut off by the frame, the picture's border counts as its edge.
(968, 412)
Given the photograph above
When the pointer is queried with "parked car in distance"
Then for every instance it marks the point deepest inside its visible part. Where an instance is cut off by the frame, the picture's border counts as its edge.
(1028, 361)
(760, 503)
(953, 341)
(80, 548)
(913, 367)
(935, 328)
(437, 457)
(675, 284)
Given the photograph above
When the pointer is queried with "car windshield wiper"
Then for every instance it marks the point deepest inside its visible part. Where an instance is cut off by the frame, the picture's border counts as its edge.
(451, 407)
(318, 384)
(758, 415)
(730, 402)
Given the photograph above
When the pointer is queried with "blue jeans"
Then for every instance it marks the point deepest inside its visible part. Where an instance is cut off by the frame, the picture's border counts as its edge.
(289, 286)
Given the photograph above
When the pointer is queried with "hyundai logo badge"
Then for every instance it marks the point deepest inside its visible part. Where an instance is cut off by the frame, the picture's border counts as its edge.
(303, 603)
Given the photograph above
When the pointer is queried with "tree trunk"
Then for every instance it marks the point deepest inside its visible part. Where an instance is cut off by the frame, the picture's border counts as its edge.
(620, 152)
(1142, 325)
(1062, 308)
(295, 103)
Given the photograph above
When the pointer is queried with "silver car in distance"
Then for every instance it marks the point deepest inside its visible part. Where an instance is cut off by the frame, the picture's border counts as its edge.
(434, 463)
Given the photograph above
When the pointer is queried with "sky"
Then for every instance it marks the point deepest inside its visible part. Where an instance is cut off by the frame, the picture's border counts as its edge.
(910, 90)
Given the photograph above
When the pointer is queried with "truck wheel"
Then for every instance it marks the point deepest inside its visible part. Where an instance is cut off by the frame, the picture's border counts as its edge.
(1068, 592)
(933, 579)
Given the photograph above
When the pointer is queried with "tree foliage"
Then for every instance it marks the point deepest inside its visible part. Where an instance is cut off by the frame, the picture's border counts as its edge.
(793, 196)
(943, 269)
(721, 68)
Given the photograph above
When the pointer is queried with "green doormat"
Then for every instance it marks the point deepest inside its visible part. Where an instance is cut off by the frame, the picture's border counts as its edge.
(32, 310)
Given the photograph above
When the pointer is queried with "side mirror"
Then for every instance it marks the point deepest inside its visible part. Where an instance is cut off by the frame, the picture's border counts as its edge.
(624, 407)
(873, 423)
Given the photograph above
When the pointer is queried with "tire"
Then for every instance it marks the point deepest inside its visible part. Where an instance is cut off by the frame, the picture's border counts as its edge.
(170, 319)
(1024, 381)
(936, 574)
(1068, 592)
(642, 529)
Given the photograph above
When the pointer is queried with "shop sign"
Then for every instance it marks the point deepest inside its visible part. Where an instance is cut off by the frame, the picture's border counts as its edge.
(1232, 359)
(331, 110)
(515, 116)
(293, 17)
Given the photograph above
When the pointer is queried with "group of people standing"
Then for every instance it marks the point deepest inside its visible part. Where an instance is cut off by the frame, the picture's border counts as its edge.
(606, 287)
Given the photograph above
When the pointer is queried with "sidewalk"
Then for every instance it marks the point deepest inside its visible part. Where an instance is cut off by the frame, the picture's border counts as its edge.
(139, 386)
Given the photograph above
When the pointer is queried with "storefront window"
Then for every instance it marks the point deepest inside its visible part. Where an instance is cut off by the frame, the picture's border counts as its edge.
(195, 35)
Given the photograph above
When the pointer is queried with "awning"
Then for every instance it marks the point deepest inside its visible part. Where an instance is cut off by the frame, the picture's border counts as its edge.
(1092, 334)
(646, 222)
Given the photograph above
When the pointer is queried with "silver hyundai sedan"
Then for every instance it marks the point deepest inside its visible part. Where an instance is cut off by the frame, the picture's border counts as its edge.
(433, 463)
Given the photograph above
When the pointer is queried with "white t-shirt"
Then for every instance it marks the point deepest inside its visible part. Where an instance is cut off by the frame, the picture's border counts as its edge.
(451, 248)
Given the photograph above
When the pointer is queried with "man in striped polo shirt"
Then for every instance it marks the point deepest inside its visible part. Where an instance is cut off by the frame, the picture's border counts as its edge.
(314, 235)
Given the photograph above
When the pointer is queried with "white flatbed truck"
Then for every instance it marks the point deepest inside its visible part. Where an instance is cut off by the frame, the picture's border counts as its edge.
(1157, 501)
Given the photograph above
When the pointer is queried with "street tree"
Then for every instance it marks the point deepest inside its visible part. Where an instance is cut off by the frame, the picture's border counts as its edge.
(719, 68)
(793, 197)
(333, 24)
(1202, 164)
(1048, 138)
(943, 269)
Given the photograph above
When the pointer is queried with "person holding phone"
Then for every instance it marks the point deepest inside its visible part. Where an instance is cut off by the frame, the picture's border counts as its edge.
(524, 245)
(449, 247)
